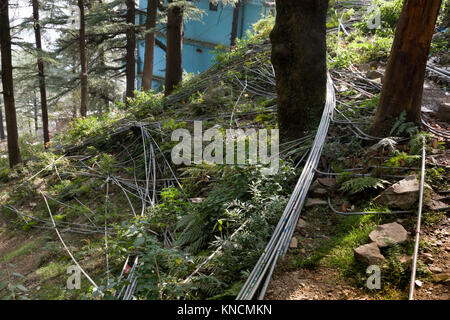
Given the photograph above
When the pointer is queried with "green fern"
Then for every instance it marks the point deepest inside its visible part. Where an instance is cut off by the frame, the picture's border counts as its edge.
(360, 184)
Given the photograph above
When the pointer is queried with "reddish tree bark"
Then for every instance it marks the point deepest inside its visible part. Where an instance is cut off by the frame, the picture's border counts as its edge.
(405, 71)
(131, 49)
(40, 64)
(83, 61)
(174, 53)
(152, 10)
(299, 59)
(8, 86)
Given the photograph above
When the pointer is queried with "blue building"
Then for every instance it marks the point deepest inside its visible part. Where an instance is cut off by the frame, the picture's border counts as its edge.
(201, 37)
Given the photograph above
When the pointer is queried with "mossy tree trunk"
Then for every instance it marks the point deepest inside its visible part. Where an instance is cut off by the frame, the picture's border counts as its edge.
(299, 59)
(405, 71)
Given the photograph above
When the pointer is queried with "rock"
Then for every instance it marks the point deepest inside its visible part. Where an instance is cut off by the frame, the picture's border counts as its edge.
(374, 74)
(436, 205)
(435, 269)
(319, 192)
(441, 277)
(444, 112)
(197, 200)
(315, 202)
(428, 258)
(369, 253)
(294, 243)
(327, 182)
(402, 194)
(418, 283)
(405, 260)
(301, 223)
(388, 233)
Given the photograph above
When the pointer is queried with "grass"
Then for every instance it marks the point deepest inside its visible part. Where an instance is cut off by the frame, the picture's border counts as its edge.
(23, 250)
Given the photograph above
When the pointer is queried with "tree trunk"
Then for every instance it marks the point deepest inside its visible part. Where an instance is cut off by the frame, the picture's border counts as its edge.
(405, 71)
(131, 49)
(2, 130)
(234, 25)
(299, 59)
(36, 126)
(152, 10)
(174, 53)
(40, 63)
(83, 61)
(8, 86)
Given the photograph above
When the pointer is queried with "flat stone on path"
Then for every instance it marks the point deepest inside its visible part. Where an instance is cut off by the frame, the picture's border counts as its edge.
(315, 202)
(369, 253)
(388, 233)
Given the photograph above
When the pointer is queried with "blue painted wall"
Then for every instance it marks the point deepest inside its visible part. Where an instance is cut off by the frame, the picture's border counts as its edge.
(200, 37)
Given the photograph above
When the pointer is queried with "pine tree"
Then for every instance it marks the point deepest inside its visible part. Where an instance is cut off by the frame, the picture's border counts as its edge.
(150, 25)
(8, 86)
(40, 64)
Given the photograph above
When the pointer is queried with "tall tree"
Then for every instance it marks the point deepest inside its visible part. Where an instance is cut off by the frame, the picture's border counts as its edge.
(131, 49)
(2, 130)
(405, 71)
(40, 64)
(174, 53)
(299, 59)
(150, 24)
(8, 86)
(235, 23)
(83, 61)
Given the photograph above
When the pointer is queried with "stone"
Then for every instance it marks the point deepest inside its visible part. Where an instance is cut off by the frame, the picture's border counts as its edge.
(369, 254)
(294, 243)
(315, 185)
(364, 67)
(441, 277)
(319, 192)
(436, 205)
(428, 258)
(315, 202)
(402, 194)
(388, 233)
(327, 182)
(374, 74)
(444, 112)
(419, 283)
(301, 223)
(435, 269)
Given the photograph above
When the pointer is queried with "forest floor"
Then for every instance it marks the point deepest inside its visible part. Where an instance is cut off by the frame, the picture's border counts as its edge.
(323, 281)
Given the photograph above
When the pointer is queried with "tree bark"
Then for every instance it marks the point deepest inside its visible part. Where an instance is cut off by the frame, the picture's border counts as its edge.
(40, 64)
(35, 109)
(152, 10)
(299, 59)
(8, 86)
(174, 54)
(234, 25)
(131, 49)
(83, 61)
(405, 71)
(2, 130)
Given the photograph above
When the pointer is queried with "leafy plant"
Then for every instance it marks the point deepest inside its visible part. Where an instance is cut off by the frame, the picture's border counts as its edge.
(360, 184)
